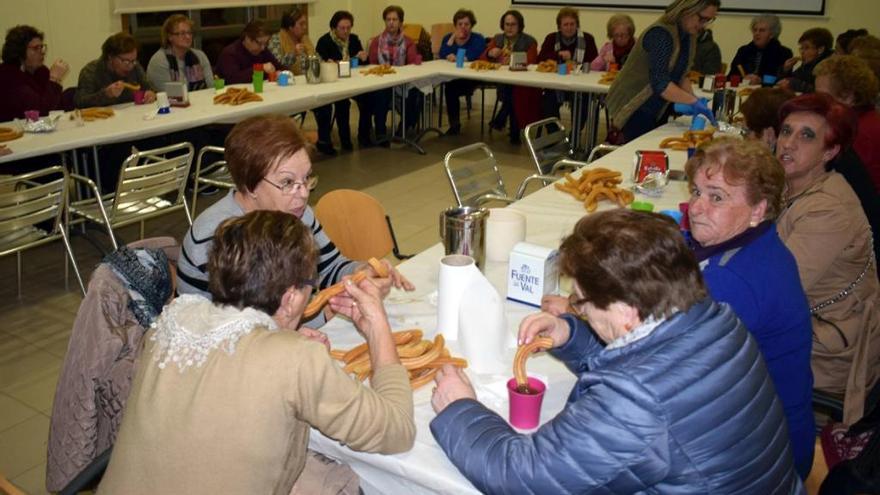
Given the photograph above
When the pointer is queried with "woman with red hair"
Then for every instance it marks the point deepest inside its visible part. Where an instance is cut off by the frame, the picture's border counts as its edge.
(823, 225)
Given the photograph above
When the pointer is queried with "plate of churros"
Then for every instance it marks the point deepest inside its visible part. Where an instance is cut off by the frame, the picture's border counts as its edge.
(594, 185)
(236, 96)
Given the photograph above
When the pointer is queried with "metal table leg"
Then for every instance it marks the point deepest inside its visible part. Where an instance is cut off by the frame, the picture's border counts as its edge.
(402, 139)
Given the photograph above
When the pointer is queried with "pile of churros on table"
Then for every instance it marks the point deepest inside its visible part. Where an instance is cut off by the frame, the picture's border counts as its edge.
(484, 65)
(92, 114)
(9, 134)
(421, 358)
(236, 96)
(594, 185)
(379, 70)
(690, 139)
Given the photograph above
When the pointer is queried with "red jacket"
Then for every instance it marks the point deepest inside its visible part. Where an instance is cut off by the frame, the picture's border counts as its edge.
(867, 144)
(21, 91)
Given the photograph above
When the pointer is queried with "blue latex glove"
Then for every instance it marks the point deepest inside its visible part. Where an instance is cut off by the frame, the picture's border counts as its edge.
(700, 107)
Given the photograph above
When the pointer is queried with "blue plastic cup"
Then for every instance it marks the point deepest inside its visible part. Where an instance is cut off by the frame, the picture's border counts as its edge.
(768, 80)
(355, 62)
(282, 79)
(562, 69)
(459, 57)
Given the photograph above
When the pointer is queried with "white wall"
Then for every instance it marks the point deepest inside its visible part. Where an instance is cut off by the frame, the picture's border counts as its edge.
(75, 29)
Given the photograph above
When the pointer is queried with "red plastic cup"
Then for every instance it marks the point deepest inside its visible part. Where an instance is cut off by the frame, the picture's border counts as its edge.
(525, 409)
(139, 97)
(735, 80)
(32, 115)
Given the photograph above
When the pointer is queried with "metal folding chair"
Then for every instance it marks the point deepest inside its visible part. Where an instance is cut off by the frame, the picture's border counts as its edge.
(152, 183)
(474, 176)
(27, 203)
(549, 147)
(214, 174)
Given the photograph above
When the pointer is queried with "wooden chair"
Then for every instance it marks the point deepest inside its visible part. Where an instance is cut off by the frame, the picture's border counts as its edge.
(357, 223)
(438, 31)
(7, 488)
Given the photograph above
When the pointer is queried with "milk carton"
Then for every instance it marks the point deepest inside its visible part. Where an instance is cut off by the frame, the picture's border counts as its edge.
(532, 272)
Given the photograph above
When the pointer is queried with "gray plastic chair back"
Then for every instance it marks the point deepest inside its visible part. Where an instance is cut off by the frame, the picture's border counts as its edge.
(474, 176)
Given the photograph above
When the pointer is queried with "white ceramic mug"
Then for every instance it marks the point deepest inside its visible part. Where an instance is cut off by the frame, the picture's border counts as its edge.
(504, 228)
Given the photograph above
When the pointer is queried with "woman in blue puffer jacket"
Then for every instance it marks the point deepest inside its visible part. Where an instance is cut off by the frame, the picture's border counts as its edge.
(672, 395)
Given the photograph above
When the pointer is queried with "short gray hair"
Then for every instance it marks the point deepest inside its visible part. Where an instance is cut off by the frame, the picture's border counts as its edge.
(771, 21)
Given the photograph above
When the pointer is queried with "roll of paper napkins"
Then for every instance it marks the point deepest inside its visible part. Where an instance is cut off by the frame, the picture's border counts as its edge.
(456, 272)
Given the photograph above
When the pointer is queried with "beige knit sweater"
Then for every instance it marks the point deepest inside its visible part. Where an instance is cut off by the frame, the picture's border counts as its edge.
(239, 423)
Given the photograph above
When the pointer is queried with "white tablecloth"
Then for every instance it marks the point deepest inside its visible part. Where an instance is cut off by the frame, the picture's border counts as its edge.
(130, 123)
(551, 215)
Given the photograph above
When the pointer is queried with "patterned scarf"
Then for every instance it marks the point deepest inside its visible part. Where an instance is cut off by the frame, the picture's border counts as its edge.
(343, 45)
(193, 72)
(145, 273)
(392, 49)
(580, 50)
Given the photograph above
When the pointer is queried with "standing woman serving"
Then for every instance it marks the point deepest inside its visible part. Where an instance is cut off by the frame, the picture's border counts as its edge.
(177, 60)
(655, 74)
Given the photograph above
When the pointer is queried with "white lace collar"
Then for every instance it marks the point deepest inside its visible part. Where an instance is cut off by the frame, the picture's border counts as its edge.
(191, 327)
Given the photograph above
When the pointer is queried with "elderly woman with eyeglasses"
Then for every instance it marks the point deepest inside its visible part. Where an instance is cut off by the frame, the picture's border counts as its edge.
(764, 55)
(226, 391)
(25, 81)
(672, 394)
(237, 60)
(111, 79)
(655, 74)
(177, 60)
(270, 166)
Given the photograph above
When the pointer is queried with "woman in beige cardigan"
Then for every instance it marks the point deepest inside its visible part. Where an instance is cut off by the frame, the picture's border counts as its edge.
(226, 391)
(824, 226)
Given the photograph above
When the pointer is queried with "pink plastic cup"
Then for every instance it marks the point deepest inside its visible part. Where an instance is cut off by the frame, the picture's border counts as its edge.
(32, 115)
(139, 97)
(525, 409)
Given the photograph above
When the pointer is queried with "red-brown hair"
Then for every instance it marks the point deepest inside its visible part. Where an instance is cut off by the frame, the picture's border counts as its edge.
(256, 145)
(842, 121)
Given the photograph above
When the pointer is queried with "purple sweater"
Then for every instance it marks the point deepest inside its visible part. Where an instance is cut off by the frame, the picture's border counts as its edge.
(236, 64)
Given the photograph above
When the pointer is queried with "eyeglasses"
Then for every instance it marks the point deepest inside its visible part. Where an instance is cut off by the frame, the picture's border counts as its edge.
(573, 302)
(128, 62)
(288, 186)
(182, 33)
(705, 21)
(42, 47)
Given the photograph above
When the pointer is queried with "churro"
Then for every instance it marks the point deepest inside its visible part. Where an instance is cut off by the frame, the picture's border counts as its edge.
(519, 361)
(594, 185)
(323, 297)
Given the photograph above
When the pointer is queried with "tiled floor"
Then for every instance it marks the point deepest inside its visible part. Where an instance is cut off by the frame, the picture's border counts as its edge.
(34, 330)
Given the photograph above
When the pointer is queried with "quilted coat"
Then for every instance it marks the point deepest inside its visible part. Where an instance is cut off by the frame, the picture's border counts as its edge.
(96, 377)
(689, 408)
